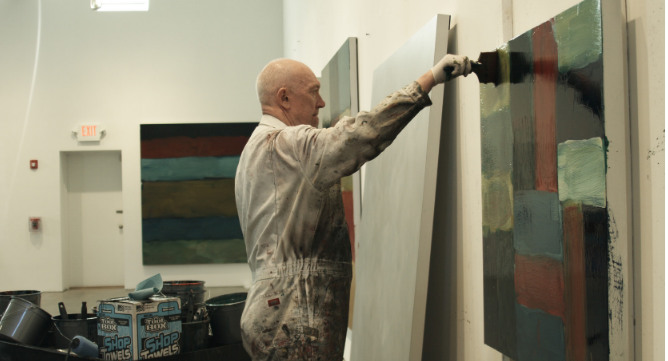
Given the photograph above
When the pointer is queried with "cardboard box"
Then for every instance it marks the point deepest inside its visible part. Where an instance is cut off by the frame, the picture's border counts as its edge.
(138, 330)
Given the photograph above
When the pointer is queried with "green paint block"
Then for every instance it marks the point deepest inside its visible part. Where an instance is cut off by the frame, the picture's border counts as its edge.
(496, 97)
(577, 32)
(581, 171)
(496, 132)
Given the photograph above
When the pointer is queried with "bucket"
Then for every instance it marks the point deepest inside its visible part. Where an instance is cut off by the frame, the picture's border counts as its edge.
(74, 326)
(194, 336)
(183, 289)
(24, 322)
(34, 297)
(225, 315)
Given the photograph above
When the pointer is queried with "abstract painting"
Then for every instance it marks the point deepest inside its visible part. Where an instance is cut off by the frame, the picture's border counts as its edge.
(545, 217)
(338, 88)
(189, 213)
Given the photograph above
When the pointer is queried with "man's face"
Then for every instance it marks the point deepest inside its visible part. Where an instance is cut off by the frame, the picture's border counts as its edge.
(306, 100)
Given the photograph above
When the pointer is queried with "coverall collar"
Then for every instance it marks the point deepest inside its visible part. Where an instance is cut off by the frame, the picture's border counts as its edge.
(272, 121)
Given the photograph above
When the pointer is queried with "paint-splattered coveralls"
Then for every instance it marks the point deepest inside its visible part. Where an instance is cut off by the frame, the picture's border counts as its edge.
(291, 212)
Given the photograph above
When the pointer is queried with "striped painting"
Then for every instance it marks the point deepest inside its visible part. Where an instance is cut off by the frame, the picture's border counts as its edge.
(545, 222)
(189, 213)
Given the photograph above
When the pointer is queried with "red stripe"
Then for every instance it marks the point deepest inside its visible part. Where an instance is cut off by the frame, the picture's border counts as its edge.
(544, 95)
(539, 283)
(179, 147)
(576, 296)
(350, 218)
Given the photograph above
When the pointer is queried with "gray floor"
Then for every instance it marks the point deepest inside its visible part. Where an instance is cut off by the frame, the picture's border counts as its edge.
(73, 298)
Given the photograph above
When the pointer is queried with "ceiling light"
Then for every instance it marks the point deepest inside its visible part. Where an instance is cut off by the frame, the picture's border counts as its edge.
(119, 5)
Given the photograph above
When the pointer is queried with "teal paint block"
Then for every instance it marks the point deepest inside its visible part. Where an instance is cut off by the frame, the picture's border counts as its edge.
(578, 34)
(540, 335)
(537, 229)
(581, 171)
(189, 168)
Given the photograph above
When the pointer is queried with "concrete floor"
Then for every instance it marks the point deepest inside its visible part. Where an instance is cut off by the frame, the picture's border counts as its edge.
(72, 298)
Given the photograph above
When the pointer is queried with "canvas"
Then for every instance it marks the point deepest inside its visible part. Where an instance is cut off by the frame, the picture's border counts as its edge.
(546, 225)
(339, 90)
(189, 212)
(392, 262)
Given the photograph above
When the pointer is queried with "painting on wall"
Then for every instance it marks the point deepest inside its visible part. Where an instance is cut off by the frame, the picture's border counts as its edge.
(339, 90)
(189, 213)
(545, 217)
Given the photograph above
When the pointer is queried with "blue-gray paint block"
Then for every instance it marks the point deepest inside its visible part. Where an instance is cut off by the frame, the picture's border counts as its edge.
(537, 218)
(540, 335)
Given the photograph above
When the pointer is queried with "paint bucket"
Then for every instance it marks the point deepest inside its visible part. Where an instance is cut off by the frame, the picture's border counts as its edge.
(189, 292)
(34, 297)
(225, 315)
(24, 322)
(194, 336)
(74, 326)
(183, 289)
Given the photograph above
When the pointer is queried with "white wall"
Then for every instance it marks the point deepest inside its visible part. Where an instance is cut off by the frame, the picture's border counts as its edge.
(182, 61)
(313, 32)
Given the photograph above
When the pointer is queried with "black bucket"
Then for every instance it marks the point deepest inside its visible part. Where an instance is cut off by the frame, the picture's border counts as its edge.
(225, 315)
(74, 326)
(24, 322)
(194, 336)
(34, 297)
(183, 289)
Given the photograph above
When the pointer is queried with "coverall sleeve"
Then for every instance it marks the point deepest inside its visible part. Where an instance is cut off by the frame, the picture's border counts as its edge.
(327, 155)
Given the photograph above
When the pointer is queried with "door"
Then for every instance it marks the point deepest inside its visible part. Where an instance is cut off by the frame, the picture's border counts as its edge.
(94, 207)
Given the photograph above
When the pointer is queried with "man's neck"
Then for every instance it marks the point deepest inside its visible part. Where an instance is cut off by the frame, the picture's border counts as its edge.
(278, 114)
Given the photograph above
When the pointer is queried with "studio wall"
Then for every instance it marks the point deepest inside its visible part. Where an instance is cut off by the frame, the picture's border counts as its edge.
(180, 62)
(456, 324)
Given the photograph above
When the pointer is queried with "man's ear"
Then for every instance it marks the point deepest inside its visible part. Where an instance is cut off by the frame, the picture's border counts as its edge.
(283, 99)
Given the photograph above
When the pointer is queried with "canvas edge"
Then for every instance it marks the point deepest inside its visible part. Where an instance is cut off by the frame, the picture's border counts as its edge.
(429, 195)
(618, 179)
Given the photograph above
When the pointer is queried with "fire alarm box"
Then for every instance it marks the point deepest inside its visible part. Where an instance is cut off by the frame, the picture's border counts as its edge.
(34, 224)
(33, 164)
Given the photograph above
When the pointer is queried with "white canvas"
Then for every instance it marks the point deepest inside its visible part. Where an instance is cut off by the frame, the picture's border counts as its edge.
(392, 267)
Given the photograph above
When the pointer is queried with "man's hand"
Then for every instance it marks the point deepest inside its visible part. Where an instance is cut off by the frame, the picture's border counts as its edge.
(450, 67)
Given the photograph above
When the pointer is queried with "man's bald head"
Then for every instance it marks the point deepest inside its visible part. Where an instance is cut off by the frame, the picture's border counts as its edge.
(280, 73)
(289, 91)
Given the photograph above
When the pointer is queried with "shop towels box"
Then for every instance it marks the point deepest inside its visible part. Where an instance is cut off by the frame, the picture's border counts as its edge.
(138, 330)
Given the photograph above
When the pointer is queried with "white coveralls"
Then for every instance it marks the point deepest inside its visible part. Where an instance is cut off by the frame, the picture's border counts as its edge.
(291, 212)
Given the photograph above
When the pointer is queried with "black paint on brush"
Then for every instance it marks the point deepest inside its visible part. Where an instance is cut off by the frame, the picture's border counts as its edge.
(521, 112)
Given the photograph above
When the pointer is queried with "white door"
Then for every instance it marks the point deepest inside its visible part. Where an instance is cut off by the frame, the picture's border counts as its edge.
(94, 207)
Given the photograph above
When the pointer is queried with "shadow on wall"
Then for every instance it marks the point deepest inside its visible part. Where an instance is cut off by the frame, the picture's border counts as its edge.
(440, 329)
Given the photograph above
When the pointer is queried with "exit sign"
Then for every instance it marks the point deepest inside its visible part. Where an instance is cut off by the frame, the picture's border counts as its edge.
(89, 132)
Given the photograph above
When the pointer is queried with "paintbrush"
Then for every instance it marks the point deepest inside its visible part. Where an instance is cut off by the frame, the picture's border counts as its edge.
(486, 68)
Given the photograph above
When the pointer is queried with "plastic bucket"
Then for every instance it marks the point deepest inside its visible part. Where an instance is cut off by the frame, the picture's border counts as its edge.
(194, 336)
(34, 297)
(225, 315)
(24, 322)
(74, 326)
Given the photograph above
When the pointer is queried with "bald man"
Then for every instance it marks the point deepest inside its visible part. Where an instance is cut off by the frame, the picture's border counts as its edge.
(291, 212)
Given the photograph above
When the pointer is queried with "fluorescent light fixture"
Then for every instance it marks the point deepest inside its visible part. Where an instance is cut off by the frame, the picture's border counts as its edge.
(119, 5)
